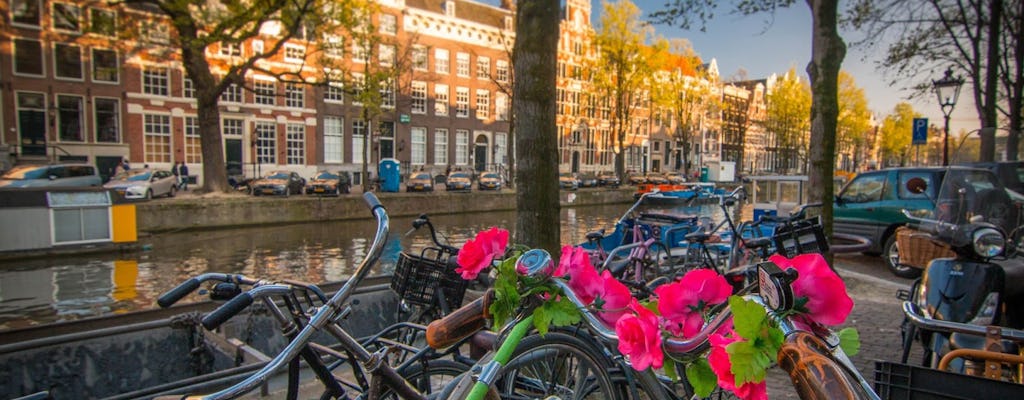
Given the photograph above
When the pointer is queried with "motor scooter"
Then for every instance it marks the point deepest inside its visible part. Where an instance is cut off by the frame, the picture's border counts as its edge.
(978, 286)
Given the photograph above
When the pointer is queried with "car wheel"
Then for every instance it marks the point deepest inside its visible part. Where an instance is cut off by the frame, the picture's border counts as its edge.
(149, 194)
(174, 191)
(287, 191)
(891, 256)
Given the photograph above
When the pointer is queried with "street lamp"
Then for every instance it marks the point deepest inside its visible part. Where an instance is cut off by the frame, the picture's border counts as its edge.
(947, 89)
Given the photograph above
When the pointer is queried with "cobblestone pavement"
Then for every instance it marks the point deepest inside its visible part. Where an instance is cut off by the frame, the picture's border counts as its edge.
(876, 315)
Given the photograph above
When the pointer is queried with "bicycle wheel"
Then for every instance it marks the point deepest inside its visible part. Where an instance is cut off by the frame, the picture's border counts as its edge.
(429, 378)
(555, 366)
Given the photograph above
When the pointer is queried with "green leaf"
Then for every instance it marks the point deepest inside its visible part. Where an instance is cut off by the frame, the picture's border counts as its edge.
(749, 362)
(849, 341)
(541, 320)
(669, 365)
(748, 317)
(701, 377)
(559, 312)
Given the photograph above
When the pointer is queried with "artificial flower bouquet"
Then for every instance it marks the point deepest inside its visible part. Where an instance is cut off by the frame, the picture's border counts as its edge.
(741, 351)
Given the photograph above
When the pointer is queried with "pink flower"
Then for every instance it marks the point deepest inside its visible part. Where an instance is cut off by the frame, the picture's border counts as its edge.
(719, 360)
(603, 291)
(640, 337)
(586, 283)
(477, 254)
(572, 258)
(683, 303)
(827, 300)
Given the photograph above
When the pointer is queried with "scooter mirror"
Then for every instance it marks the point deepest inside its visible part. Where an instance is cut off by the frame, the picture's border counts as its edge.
(917, 185)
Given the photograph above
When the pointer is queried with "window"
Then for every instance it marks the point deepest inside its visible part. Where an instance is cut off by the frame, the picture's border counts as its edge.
(233, 94)
(257, 47)
(357, 92)
(26, 12)
(483, 68)
(108, 128)
(864, 188)
(419, 97)
(105, 66)
(501, 106)
(156, 130)
(333, 46)
(294, 53)
(264, 92)
(441, 63)
(266, 142)
(334, 93)
(441, 100)
(419, 145)
(359, 52)
(388, 24)
(193, 144)
(387, 95)
(905, 176)
(483, 104)
(334, 139)
(70, 118)
(294, 95)
(501, 71)
(230, 50)
(155, 81)
(462, 64)
(67, 61)
(156, 32)
(28, 57)
(419, 58)
(67, 17)
(461, 147)
(188, 89)
(387, 55)
(358, 140)
(79, 217)
(462, 102)
(295, 140)
(103, 22)
(440, 146)
(501, 148)
(232, 127)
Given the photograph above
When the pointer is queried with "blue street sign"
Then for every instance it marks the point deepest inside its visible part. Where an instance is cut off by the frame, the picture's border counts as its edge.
(920, 135)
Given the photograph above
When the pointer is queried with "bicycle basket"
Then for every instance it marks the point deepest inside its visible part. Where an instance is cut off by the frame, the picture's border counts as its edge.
(419, 278)
(800, 237)
(897, 381)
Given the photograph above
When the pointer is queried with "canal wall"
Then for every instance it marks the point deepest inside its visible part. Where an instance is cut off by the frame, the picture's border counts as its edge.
(203, 212)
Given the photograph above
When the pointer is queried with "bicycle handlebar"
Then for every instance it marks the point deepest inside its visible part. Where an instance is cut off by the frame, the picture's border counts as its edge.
(183, 289)
(914, 314)
(238, 303)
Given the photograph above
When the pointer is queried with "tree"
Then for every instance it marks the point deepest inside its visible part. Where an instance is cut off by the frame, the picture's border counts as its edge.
(622, 68)
(200, 27)
(854, 118)
(536, 49)
(684, 91)
(788, 120)
(895, 133)
(969, 36)
(827, 53)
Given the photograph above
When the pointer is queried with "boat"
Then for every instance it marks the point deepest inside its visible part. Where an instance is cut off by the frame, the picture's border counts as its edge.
(161, 351)
(685, 194)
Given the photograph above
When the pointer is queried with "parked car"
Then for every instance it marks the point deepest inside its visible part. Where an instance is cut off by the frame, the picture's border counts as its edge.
(326, 183)
(872, 203)
(51, 175)
(459, 181)
(656, 178)
(588, 180)
(282, 183)
(1010, 173)
(144, 184)
(675, 178)
(489, 181)
(636, 179)
(567, 180)
(608, 179)
(419, 182)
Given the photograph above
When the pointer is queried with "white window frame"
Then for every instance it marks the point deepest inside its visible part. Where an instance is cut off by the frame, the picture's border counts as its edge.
(358, 140)
(39, 14)
(41, 61)
(441, 100)
(501, 71)
(295, 144)
(419, 57)
(334, 139)
(359, 52)
(57, 59)
(440, 146)
(232, 94)
(334, 93)
(483, 68)
(462, 64)
(193, 141)
(116, 111)
(442, 61)
(418, 139)
(387, 95)
(461, 102)
(230, 49)
(62, 124)
(387, 55)
(500, 106)
(501, 148)
(92, 20)
(388, 24)
(461, 147)
(188, 89)
(154, 83)
(294, 95)
(77, 22)
(294, 53)
(419, 97)
(264, 92)
(483, 104)
(266, 142)
(94, 64)
(157, 126)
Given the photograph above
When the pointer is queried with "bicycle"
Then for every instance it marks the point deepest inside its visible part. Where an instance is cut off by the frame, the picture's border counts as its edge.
(311, 311)
(500, 373)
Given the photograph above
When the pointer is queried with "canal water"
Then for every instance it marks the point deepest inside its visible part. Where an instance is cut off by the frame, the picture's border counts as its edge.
(55, 289)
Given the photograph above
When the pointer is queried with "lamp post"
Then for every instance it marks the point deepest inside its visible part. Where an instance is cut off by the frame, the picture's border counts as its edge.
(947, 89)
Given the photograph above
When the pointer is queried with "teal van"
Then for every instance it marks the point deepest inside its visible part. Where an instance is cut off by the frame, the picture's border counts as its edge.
(53, 175)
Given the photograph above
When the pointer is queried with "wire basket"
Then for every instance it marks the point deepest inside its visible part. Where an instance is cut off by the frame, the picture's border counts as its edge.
(421, 279)
(917, 248)
(800, 237)
(895, 381)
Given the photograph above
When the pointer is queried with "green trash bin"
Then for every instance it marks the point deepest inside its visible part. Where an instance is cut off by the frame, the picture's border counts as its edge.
(703, 174)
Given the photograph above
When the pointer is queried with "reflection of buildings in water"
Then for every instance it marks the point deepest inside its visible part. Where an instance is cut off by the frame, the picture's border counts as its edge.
(24, 292)
(83, 290)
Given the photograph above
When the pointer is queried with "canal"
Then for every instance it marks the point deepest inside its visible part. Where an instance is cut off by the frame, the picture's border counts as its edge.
(45, 290)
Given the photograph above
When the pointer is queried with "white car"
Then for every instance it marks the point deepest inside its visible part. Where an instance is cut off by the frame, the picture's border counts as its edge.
(144, 184)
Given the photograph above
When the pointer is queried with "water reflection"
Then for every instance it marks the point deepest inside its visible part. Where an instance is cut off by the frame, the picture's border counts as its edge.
(58, 289)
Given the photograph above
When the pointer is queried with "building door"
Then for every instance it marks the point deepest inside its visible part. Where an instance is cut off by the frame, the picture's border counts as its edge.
(233, 155)
(575, 162)
(480, 153)
(387, 139)
(32, 123)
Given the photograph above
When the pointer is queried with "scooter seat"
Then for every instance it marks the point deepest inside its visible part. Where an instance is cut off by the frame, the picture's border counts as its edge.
(975, 342)
(1014, 269)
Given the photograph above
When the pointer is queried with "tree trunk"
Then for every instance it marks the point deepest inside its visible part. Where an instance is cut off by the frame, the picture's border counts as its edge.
(215, 176)
(1016, 86)
(990, 117)
(827, 53)
(537, 220)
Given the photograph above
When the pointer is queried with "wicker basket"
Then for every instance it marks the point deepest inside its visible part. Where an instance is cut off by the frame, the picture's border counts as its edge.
(917, 248)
